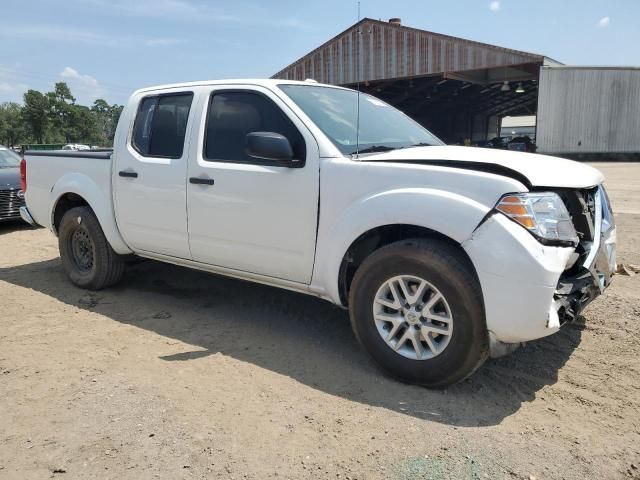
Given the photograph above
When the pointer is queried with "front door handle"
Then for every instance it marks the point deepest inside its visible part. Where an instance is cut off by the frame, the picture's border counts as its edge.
(202, 181)
(128, 174)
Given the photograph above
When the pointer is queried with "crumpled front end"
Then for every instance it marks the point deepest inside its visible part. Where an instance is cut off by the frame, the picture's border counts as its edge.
(531, 289)
(595, 262)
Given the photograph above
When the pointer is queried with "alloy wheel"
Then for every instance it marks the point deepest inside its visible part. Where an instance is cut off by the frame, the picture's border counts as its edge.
(413, 317)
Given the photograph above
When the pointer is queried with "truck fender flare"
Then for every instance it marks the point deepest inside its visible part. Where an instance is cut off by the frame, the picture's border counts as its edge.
(447, 213)
(83, 186)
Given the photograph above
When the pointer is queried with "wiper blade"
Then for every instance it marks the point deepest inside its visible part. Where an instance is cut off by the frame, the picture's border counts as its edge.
(421, 144)
(374, 149)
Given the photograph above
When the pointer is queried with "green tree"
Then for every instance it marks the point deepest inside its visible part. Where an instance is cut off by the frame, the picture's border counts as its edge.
(106, 119)
(11, 124)
(36, 114)
(55, 117)
(116, 111)
(84, 126)
(61, 112)
(102, 113)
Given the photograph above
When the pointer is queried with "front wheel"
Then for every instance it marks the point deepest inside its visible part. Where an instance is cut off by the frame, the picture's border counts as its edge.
(416, 307)
(87, 257)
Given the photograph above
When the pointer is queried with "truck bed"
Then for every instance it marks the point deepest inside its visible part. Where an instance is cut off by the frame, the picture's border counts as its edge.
(81, 176)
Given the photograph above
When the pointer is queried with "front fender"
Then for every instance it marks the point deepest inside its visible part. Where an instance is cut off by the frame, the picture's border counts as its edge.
(99, 199)
(448, 213)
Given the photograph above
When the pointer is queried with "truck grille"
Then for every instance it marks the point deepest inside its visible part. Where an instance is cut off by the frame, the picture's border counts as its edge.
(581, 206)
(10, 204)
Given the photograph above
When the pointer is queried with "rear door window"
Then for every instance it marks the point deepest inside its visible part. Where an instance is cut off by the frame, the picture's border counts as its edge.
(161, 124)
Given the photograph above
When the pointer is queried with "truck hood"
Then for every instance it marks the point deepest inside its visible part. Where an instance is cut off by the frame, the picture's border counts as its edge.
(9, 178)
(533, 170)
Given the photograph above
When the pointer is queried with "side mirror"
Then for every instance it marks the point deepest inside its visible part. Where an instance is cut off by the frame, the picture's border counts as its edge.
(270, 146)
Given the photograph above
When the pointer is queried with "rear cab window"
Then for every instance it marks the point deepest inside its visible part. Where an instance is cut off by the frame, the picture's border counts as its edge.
(160, 126)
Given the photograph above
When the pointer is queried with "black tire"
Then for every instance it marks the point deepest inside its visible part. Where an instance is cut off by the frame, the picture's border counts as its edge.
(87, 258)
(448, 270)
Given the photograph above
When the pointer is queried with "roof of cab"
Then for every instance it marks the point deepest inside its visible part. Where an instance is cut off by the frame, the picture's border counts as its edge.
(264, 82)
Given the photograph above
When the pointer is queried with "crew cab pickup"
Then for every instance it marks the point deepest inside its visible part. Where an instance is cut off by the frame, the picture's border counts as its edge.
(443, 255)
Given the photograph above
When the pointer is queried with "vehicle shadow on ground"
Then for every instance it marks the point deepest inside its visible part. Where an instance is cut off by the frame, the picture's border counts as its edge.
(10, 226)
(299, 336)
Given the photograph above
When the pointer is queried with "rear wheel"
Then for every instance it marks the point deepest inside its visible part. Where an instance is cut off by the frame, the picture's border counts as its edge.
(87, 257)
(416, 307)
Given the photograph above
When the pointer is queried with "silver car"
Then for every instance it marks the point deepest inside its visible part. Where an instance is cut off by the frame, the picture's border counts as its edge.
(11, 198)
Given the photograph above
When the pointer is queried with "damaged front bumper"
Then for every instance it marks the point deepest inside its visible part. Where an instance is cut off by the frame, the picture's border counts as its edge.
(579, 285)
(531, 289)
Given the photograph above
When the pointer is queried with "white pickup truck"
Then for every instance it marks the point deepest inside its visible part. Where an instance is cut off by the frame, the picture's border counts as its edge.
(443, 255)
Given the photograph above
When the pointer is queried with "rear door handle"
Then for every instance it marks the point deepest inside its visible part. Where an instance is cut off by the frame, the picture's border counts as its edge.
(128, 174)
(202, 181)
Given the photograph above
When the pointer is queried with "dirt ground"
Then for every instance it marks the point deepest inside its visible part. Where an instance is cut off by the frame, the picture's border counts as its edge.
(180, 374)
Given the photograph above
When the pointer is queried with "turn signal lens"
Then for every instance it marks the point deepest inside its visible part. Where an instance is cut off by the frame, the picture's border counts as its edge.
(541, 213)
(512, 208)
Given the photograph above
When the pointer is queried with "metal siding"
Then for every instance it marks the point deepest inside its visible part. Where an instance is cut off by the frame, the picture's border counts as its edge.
(377, 47)
(589, 110)
(360, 57)
(416, 54)
(371, 56)
(387, 51)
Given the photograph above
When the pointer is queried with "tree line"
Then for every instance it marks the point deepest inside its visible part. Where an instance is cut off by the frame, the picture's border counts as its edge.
(55, 117)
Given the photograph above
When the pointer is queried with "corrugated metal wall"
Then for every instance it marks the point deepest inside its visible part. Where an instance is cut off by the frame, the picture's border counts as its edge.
(384, 51)
(589, 110)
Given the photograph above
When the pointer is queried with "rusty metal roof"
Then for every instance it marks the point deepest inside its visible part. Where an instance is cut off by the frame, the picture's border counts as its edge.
(374, 50)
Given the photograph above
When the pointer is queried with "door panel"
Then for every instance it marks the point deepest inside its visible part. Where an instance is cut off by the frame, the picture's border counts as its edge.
(150, 177)
(256, 217)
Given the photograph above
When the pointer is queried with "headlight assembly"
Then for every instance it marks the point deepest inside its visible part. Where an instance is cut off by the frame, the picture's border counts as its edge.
(543, 214)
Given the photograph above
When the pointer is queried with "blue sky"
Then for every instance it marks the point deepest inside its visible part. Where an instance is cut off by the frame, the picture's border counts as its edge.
(108, 48)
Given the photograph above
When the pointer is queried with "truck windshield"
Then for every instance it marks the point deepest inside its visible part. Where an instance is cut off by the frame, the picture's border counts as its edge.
(335, 112)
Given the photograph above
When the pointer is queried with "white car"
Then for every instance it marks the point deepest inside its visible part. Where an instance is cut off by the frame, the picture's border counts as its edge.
(443, 255)
(76, 147)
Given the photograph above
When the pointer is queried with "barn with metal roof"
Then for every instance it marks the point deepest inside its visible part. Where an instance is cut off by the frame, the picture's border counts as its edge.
(457, 88)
